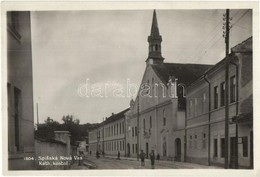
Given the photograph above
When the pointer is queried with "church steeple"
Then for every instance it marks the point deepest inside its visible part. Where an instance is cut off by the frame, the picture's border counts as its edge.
(155, 40)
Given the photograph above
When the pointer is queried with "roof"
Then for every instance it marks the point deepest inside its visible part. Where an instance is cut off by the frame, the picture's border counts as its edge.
(186, 73)
(115, 117)
(245, 46)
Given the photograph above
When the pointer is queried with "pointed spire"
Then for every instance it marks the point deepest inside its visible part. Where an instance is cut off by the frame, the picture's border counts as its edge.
(154, 28)
(155, 40)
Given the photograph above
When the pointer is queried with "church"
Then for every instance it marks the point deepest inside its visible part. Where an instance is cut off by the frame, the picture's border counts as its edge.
(156, 119)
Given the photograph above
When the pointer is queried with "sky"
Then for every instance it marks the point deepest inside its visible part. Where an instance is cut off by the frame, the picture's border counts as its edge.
(75, 52)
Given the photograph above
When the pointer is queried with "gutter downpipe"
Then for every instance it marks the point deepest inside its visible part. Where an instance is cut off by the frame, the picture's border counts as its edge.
(237, 96)
(204, 76)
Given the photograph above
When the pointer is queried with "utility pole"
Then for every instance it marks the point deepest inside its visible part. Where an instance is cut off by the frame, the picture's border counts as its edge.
(37, 116)
(103, 148)
(138, 127)
(226, 35)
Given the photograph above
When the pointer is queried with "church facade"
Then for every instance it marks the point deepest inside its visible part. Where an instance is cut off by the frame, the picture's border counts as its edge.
(156, 120)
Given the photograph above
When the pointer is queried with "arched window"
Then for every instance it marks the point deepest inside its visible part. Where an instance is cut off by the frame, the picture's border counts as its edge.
(164, 118)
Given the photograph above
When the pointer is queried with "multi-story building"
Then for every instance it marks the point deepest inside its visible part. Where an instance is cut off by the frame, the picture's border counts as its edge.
(109, 137)
(157, 116)
(205, 124)
(19, 91)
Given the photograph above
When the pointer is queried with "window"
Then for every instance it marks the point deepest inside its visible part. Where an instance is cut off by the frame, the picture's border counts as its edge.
(222, 94)
(190, 142)
(151, 122)
(164, 118)
(116, 129)
(215, 97)
(133, 131)
(222, 144)
(120, 147)
(215, 147)
(232, 89)
(195, 141)
(195, 106)
(133, 148)
(136, 148)
(17, 104)
(123, 145)
(144, 123)
(204, 141)
(245, 146)
(190, 110)
(204, 102)
(123, 127)
(120, 130)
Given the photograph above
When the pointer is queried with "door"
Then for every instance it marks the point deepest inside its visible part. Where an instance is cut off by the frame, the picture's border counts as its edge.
(128, 149)
(251, 150)
(147, 150)
(233, 152)
(178, 149)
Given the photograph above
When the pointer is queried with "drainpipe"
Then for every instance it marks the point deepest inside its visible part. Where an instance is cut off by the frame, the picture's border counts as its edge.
(185, 136)
(204, 76)
(237, 97)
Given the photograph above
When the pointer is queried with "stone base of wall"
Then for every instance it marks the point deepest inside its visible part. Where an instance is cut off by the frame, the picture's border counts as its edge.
(17, 162)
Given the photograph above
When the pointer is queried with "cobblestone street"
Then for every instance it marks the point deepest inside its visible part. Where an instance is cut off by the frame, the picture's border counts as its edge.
(110, 162)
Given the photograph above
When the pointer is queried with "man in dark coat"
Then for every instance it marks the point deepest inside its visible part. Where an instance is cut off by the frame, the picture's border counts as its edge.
(152, 157)
(142, 157)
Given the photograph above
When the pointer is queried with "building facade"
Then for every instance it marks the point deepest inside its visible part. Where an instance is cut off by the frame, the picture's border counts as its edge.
(110, 136)
(205, 123)
(19, 91)
(156, 120)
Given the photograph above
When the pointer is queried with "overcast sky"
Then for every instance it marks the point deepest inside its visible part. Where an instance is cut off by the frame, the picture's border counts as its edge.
(69, 47)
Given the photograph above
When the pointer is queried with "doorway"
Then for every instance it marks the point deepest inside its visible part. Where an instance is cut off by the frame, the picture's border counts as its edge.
(251, 150)
(178, 149)
(233, 152)
(147, 150)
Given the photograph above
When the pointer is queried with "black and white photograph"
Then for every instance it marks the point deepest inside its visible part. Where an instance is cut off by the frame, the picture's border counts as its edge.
(129, 89)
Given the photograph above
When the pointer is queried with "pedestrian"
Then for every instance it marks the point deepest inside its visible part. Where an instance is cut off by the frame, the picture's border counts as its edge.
(152, 157)
(142, 156)
(118, 155)
(158, 157)
(97, 154)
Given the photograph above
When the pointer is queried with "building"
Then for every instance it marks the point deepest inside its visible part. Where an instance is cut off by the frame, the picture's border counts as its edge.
(19, 91)
(156, 120)
(109, 137)
(205, 121)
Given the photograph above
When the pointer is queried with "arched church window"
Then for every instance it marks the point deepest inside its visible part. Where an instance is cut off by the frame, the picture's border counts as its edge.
(156, 47)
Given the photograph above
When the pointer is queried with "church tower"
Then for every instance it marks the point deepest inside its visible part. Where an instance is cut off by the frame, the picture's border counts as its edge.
(154, 40)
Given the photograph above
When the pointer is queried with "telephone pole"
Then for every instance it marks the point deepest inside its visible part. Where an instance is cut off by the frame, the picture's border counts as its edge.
(37, 116)
(226, 27)
(137, 128)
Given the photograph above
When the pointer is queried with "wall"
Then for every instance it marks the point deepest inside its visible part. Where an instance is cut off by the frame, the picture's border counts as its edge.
(47, 148)
(19, 67)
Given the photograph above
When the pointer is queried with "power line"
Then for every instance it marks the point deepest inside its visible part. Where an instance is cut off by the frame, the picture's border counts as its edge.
(204, 51)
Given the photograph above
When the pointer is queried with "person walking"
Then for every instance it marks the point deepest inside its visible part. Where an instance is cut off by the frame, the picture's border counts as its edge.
(158, 157)
(142, 157)
(152, 157)
(118, 155)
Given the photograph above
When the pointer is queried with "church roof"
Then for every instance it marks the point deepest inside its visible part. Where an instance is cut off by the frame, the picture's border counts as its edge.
(186, 73)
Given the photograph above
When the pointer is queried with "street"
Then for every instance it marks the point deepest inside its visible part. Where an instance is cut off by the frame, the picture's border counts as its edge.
(113, 163)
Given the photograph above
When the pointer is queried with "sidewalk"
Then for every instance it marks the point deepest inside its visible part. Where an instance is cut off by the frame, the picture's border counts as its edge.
(165, 163)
